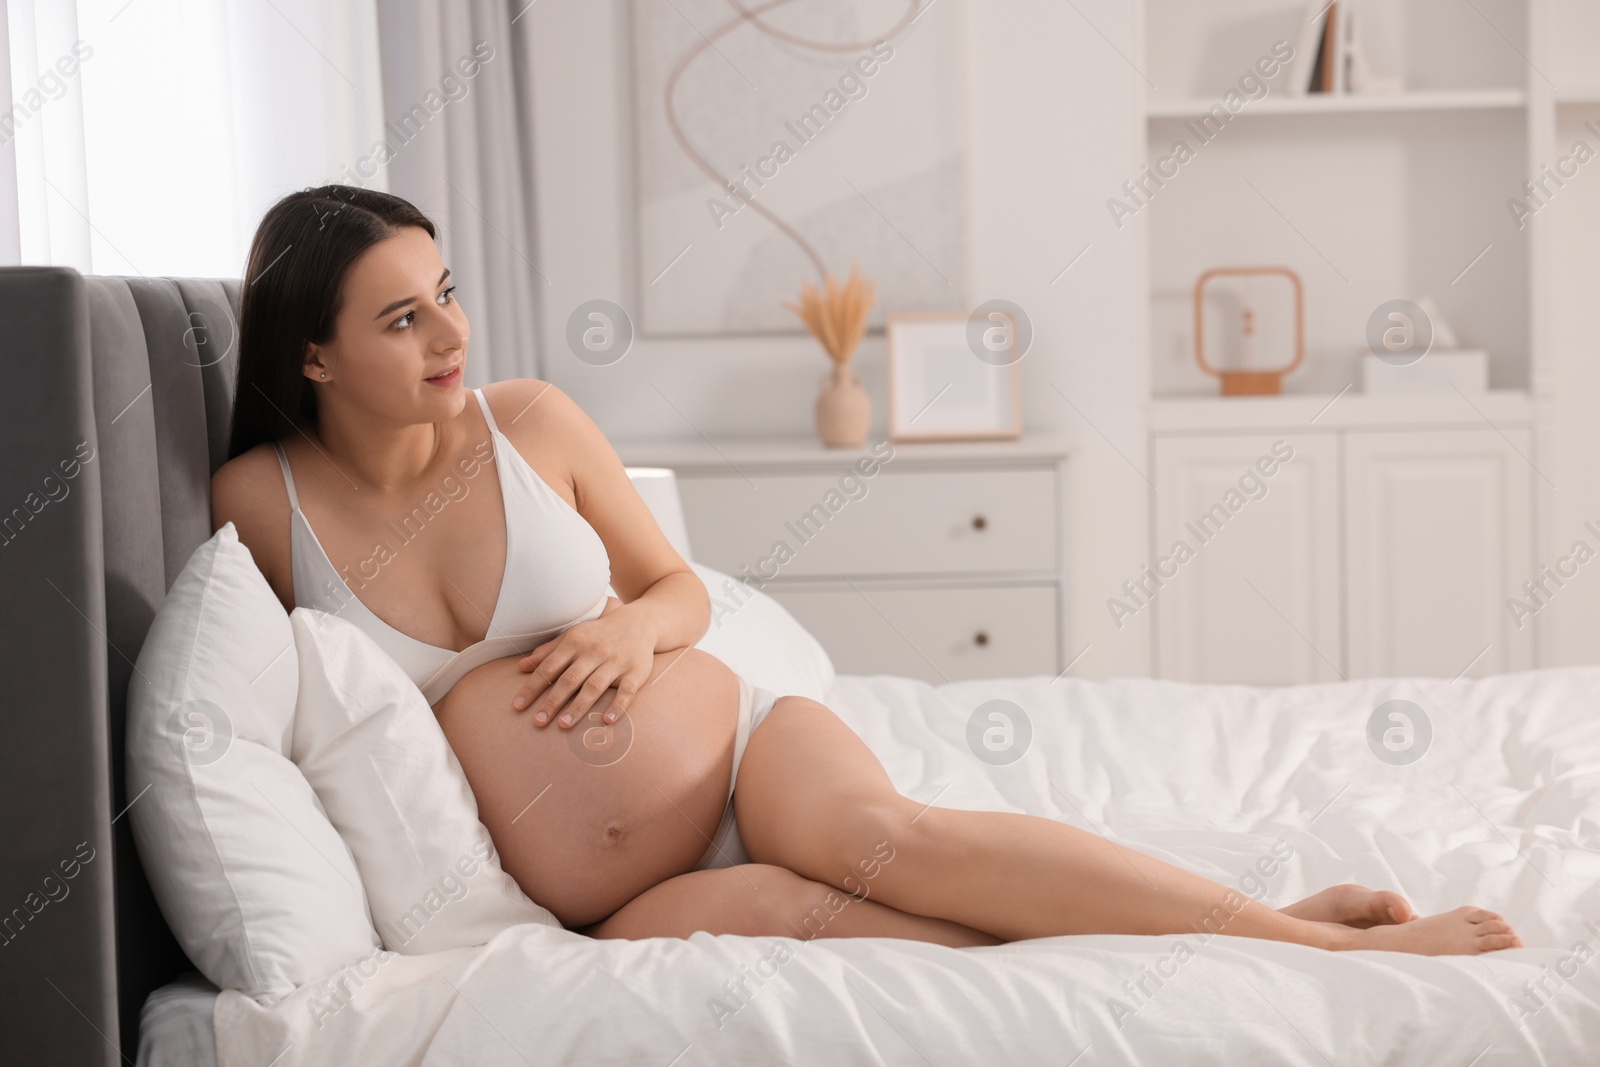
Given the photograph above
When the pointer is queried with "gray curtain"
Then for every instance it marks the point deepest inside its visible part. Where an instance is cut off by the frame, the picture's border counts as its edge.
(454, 99)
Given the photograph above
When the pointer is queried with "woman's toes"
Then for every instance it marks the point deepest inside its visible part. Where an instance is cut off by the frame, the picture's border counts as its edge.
(1496, 942)
(1391, 907)
(1353, 905)
(1462, 931)
(1361, 907)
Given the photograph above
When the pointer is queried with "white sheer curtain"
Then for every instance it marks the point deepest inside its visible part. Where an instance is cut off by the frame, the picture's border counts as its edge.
(455, 92)
(148, 136)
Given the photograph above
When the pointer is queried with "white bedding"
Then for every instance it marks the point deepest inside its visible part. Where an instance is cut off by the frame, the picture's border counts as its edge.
(175, 1028)
(1503, 811)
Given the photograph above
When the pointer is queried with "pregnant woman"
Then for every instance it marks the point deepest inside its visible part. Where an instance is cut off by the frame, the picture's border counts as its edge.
(473, 534)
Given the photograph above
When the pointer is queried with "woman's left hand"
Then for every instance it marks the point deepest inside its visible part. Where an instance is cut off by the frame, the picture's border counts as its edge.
(583, 662)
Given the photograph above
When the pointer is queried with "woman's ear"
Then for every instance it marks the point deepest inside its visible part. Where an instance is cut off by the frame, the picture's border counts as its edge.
(315, 366)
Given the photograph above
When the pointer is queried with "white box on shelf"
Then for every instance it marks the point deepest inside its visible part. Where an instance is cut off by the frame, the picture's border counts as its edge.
(1465, 368)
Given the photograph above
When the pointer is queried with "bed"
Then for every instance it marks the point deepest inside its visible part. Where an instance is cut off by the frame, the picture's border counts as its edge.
(1503, 809)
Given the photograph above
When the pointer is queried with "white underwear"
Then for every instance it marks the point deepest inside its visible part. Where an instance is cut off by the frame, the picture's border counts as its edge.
(726, 849)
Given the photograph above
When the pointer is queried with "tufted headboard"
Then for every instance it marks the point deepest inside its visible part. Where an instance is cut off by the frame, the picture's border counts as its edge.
(115, 412)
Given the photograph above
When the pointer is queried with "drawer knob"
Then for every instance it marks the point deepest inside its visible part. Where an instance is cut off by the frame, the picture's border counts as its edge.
(980, 638)
(979, 522)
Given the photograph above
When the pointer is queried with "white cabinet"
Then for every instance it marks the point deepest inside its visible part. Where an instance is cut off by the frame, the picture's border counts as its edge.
(1377, 550)
(1258, 601)
(930, 631)
(1437, 535)
(944, 562)
(909, 521)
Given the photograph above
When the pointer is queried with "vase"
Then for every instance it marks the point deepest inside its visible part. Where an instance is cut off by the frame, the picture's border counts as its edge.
(844, 410)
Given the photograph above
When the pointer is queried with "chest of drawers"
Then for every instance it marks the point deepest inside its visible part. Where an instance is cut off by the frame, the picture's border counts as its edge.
(934, 560)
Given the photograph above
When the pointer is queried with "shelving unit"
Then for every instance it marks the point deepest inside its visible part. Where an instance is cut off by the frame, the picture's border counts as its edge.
(1352, 104)
(1369, 198)
(1395, 538)
(1206, 415)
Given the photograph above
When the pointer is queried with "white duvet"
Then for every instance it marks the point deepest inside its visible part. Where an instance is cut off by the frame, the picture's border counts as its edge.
(1503, 810)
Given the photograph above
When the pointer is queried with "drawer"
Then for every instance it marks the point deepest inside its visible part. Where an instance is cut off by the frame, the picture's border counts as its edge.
(897, 522)
(936, 634)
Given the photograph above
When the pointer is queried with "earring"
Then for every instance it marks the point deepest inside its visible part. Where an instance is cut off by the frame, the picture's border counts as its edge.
(324, 374)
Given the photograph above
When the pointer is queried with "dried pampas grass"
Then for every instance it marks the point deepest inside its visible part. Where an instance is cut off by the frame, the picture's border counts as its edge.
(837, 317)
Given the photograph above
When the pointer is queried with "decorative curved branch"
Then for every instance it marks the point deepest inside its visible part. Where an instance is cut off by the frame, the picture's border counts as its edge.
(708, 40)
(754, 18)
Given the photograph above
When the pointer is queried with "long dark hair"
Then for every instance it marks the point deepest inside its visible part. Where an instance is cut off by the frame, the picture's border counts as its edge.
(292, 292)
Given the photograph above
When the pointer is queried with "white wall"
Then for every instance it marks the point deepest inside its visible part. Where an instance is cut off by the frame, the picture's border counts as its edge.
(1054, 132)
(1570, 625)
(1569, 277)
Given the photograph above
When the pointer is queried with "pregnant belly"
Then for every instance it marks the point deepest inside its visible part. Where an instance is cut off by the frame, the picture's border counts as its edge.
(586, 819)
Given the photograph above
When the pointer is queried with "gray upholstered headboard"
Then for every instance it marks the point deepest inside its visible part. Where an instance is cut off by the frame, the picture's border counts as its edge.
(115, 412)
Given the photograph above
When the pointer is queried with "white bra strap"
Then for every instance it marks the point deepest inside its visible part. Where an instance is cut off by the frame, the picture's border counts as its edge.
(288, 479)
(488, 416)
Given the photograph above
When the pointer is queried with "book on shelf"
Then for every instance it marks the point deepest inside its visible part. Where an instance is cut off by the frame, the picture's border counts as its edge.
(1325, 41)
(1307, 52)
(1343, 31)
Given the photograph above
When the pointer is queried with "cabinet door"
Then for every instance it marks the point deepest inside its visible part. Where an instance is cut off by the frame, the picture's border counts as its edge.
(1438, 536)
(1259, 601)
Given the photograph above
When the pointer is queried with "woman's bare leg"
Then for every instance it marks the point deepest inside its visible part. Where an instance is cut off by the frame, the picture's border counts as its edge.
(812, 797)
(1352, 905)
(757, 900)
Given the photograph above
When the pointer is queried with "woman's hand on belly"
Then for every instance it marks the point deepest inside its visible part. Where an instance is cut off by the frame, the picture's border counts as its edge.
(610, 656)
(587, 819)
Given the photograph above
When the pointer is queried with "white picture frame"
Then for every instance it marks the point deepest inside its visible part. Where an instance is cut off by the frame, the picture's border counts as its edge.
(939, 390)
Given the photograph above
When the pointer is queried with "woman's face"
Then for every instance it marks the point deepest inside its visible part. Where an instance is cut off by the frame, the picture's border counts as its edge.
(399, 327)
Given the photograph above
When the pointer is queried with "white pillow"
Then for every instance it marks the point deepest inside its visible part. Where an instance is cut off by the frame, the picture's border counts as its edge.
(750, 632)
(758, 638)
(658, 488)
(369, 743)
(256, 884)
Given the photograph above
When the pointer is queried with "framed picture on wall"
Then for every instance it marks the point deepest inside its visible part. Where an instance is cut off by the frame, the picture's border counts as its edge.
(764, 157)
(941, 388)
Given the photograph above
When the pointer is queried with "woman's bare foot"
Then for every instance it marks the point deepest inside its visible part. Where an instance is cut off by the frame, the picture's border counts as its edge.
(1466, 931)
(1352, 905)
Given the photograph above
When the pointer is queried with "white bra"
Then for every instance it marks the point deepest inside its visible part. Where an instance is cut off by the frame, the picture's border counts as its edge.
(557, 573)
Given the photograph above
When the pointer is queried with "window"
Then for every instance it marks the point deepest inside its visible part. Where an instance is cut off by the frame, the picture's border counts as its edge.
(149, 136)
